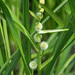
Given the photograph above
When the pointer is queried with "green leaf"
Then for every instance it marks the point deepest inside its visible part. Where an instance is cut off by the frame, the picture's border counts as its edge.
(14, 31)
(67, 63)
(55, 10)
(52, 31)
(53, 15)
(7, 62)
(33, 14)
(69, 67)
(26, 24)
(64, 55)
(1, 43)
(72, 5)
(22, 28)
(13, 63)
(62, 40)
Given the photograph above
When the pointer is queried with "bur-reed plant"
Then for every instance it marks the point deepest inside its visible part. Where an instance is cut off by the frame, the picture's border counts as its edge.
(37, 37)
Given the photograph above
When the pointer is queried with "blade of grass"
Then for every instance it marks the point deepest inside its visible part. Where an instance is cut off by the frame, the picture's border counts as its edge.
(72, 5)
(69, 67)
(7, 62)
(33, 14)
(12, 64)
(67, 63)
(52, 31)
(62, 40)
(54, 16)
(6, 38)
(55, 10)
(22, 28)
(4, 53)
(64, 56)
(1, 59)
(26, 23)
(14, 31)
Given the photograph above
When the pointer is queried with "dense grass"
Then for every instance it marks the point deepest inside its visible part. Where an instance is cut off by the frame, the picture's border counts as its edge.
(17, 44)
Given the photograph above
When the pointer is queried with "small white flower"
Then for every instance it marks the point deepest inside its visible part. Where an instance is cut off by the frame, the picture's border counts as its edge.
(42, 1)
(40, 15)
(43, 45)
(38, 26)
(33, 65)
(37, 37)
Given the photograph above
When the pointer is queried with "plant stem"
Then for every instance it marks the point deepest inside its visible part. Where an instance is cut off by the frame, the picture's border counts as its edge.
(32, 72)
(39, 61)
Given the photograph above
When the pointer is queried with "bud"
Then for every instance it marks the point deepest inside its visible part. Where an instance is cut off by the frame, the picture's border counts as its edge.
(39, 6)
(37, 37)
(42, 1)
(43, 45)
(38, 26)
(40, 15)
(41, 10)
(33, 65)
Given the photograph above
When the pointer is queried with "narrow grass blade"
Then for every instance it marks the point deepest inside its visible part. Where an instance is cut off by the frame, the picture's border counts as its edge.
(7, 62)
(4, 54)
(53, 15)
(1, 59)
(55, 10)
(26, 23)
(63, 57)
(62, 40)
(69, 67)
(14, 31)
(52, 31)
(6, 38)
(33, 14)
(12, 64)
(67, 63)
(22, 28)
(72, 5)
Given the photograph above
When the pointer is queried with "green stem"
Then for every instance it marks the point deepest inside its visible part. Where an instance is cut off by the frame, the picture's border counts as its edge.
(39, 61)
(32, 72)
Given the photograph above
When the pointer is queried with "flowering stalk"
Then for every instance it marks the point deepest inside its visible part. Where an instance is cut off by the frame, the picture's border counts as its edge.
(37, 37)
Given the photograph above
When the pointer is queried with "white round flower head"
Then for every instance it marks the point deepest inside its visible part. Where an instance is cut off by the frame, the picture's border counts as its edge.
(43, 45)
(37, 37)
(33, 65)
(38, 26)
(40, 15)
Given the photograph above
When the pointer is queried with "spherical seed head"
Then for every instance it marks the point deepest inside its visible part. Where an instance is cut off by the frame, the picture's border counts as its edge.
(42, 1)
(40, 15)
(41, 10)
(37, 37)
(33, 65)
(38, 26)
(43, 45)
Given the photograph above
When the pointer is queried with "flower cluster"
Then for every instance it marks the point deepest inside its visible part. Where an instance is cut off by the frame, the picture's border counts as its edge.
(37, 37)
(39, 26)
